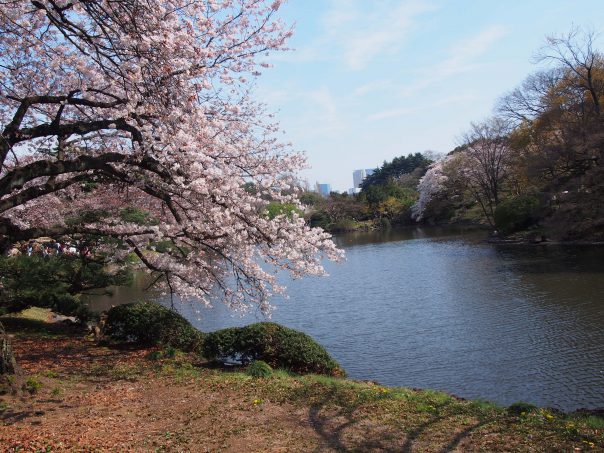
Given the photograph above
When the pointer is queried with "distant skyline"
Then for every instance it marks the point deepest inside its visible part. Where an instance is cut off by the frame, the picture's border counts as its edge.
(369, 81)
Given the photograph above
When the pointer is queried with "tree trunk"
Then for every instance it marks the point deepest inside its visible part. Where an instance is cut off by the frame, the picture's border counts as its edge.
(11, 376)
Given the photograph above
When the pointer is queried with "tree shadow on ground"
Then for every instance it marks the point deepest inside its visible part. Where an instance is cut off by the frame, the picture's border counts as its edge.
(344, 429)
(37, 328)
(9, 416)
(73, 353)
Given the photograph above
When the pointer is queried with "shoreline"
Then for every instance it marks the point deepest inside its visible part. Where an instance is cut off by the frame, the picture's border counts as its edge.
(597, 411)
(498, 240)
(84, 395)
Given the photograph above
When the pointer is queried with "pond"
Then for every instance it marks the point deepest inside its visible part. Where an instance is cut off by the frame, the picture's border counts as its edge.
(440, 308)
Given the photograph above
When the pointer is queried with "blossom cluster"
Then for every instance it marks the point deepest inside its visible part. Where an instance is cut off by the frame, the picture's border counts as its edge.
(109, 104)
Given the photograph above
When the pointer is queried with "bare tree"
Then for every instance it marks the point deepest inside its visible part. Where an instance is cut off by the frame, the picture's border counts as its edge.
(529, 100)
(486, 162)
(560, 107)
(574, 53)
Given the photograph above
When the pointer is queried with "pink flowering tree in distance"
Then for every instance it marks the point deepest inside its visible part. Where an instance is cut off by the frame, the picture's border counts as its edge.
(110, 108)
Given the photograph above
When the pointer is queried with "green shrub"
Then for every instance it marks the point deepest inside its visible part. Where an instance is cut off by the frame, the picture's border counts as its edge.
(259, 368)
(343, 226)
(163, 246)
(516, 213)
(320, 219)
(521, 408)
(384, 223)
(594, 422)
(87, 216)
(32, 385)
(151, 324)
(278, 346)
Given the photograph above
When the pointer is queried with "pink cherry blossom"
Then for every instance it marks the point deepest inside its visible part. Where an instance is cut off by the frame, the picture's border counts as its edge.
(107, 104)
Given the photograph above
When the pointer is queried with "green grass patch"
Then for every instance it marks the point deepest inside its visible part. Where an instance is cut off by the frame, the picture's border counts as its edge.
(33, 385)
(594, 422)
(259, 369)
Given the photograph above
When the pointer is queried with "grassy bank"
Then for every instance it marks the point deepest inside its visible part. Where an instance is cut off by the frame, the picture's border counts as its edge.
(86, 397)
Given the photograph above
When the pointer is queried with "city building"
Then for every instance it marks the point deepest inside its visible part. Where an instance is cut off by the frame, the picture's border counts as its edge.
(359, 175)
(324, 189)
(357, 178)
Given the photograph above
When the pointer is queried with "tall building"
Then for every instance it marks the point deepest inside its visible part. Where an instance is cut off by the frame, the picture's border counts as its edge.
(324, 189)
(359, 175)
(357, 178)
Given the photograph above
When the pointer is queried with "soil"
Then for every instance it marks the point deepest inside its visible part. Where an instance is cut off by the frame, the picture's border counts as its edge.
(88, 397)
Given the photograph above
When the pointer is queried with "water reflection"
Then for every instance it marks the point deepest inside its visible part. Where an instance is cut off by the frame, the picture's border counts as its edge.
(117, 295)
(441, 309)
(357, 238)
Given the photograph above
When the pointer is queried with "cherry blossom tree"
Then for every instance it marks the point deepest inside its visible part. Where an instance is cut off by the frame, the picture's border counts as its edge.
(112, 105)
(430, 187)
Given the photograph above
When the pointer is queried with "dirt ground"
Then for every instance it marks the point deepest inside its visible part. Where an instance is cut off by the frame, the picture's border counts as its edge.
(86, 397)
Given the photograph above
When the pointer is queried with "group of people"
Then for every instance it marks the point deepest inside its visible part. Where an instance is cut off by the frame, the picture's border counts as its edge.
(49, 248)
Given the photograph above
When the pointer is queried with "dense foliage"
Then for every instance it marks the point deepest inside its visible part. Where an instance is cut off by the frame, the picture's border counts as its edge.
(55, 282)
(386, 198)
(539, 163)
(395, 169)
(149, 323)
(276, 345)
(516, 213)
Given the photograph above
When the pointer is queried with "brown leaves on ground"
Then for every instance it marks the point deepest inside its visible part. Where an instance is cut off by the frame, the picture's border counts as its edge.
(90, 398)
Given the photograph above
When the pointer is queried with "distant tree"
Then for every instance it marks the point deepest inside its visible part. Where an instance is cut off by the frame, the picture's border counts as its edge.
(443, 190)
(575, 54)
(486, 162)
(431, 187)
(342, 206)
(558, 110)
(275, 209)
(395, 169)
(433, 155)
(309, 198)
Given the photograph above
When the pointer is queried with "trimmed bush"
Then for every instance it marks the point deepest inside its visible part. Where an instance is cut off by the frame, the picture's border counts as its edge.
(516, 213)
(149, 323)
(343, 225)
(320, 219)
(276, 345)
(521, 407)
(259, 368)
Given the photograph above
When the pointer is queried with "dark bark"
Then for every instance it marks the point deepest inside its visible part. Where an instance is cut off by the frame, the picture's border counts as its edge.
(11, 375)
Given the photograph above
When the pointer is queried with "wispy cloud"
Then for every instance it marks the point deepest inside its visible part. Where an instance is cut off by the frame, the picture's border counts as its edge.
(462, 58)
(380, 33)
(463, 54)
(372, 87)
(427, 106)
(327, 119)
(392, 113)
(358, 32)
(317, 111)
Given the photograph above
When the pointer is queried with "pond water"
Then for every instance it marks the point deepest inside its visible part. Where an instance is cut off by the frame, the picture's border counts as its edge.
(442, 309)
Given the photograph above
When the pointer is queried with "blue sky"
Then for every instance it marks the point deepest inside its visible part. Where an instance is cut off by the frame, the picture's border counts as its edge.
(370, 80)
